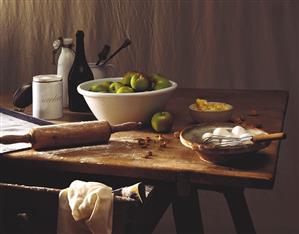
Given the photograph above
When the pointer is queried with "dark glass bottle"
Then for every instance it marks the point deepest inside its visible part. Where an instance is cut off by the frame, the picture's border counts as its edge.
(79, 73)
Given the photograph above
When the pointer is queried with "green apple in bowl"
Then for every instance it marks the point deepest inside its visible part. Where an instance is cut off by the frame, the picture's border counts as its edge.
(99, 88)
(140, 82)
(126, 80)
(125, 89)
(160, 82)
(115, 86)
(106, 84)
(162, 121)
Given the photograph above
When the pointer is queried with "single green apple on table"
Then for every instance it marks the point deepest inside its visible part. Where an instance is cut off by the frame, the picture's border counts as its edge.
(162, 121)
(125, 89)
(160, 82)
(139, 82)
(99, 88)
(126, 80)
(115, 86)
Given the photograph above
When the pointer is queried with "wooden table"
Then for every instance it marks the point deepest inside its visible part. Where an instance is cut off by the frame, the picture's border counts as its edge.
(176, 171)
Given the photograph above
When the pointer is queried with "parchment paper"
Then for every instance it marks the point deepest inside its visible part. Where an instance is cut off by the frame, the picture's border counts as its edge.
(14, 123)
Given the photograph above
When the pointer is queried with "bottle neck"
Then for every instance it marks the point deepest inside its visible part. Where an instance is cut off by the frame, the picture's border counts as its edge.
(80, 52)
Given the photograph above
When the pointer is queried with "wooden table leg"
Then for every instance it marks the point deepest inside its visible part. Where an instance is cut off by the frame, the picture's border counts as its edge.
(154, 207)
(239, 210)
(187, 214)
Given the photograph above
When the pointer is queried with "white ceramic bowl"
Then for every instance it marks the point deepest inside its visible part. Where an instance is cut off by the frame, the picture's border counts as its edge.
(124, 107)
(210, 116)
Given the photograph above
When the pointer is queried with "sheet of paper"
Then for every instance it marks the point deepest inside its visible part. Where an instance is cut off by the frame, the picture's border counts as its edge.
(10, 125)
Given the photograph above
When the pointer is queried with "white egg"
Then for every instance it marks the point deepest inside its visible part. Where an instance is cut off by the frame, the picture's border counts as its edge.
(206, 135)
(238, 131)
(221, 132)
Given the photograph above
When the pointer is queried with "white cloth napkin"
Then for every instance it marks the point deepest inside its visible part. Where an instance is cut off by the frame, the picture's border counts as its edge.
(84, 208)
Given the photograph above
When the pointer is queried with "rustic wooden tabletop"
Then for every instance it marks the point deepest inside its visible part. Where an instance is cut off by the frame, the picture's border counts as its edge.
(124, 157)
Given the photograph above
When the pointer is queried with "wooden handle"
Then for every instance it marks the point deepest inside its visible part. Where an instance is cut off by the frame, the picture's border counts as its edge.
(11, 139)
(271, 136)
(125, 126)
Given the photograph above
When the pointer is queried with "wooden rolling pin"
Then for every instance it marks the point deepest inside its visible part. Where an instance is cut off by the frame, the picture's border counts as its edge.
(69, 134)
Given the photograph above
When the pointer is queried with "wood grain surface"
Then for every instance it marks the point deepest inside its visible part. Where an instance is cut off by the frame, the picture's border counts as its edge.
(125, 157)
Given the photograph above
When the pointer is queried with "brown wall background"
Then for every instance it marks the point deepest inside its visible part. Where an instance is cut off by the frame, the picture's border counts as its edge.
(206, 44)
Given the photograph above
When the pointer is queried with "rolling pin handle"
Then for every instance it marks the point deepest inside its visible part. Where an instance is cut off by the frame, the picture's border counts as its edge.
(271, 136)
(126, 126)
(11, 139)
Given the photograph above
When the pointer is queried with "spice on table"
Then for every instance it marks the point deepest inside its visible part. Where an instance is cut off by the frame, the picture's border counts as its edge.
(142, 142)
(160, 137)
(148, 139)
(148, 154)
(163, 144)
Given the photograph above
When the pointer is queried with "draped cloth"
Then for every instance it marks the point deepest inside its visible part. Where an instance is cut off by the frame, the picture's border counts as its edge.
(85, 208)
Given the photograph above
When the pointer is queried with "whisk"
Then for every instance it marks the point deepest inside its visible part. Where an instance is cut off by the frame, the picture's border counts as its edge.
(224, 141)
